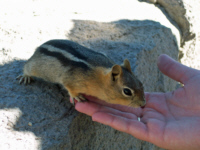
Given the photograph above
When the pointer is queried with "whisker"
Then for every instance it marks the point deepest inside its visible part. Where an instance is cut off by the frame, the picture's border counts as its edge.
(131, 104)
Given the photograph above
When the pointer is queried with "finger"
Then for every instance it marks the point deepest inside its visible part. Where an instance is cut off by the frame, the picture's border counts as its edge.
(130, 126)
(157, 102)
(153, 96)
(150, 114)
(91, 108)
(174, 69)
(87, 108)
(148, 96)
(136, 111)
(146, 110)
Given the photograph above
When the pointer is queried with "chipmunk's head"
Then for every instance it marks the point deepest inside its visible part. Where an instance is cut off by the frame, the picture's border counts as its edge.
(126, 89)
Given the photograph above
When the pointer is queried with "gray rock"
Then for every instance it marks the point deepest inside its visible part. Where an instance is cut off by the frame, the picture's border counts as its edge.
(41, 104)
(186, 14)
(177, 11)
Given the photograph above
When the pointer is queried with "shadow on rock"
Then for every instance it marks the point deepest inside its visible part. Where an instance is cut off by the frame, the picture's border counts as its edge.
(40, 105)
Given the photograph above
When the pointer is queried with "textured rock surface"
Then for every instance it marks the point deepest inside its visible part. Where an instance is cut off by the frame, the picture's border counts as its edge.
(178, 11)
(186, 14)
(190, 51)
(29, 115)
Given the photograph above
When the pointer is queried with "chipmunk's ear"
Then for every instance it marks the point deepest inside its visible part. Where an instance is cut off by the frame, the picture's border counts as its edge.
(127, 65)
(116, 72)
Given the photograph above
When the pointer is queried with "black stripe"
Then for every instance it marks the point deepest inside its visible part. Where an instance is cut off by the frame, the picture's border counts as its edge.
(68, 46)
(92, 57)
(63, 60)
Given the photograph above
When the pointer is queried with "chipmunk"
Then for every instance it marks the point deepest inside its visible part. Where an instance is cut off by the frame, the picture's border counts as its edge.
(83, 71)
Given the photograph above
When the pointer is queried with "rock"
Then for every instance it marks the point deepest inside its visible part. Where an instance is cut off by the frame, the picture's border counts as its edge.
(139, 41)
(177, 11)
(186, 14)
(30, 115)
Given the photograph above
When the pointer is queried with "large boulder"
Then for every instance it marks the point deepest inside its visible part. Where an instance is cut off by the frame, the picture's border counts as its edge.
(186, 14)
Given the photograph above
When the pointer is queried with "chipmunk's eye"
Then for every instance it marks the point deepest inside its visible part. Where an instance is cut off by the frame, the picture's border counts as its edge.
(127, 92)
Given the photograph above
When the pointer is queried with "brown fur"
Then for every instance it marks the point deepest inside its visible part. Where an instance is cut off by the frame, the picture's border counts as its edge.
(103, 82)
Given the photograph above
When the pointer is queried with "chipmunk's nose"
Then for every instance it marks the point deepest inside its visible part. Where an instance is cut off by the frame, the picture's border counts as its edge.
(140, 97)
(143, 103)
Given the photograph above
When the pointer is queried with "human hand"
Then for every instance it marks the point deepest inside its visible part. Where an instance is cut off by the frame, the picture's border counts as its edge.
(169, 120)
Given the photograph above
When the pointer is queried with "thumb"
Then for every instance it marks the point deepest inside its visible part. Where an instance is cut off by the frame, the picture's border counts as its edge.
(174, 69)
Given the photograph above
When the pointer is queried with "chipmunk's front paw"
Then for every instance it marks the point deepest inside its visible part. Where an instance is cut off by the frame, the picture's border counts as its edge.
(24, 78)
(79, 98)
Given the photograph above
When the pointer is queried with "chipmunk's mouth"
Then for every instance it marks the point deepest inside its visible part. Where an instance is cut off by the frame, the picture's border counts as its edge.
(95, 99)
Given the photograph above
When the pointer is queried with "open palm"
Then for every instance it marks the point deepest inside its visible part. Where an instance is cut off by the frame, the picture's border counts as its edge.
(169, 120)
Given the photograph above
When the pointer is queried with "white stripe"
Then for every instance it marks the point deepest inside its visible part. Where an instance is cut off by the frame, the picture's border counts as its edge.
(65, 53)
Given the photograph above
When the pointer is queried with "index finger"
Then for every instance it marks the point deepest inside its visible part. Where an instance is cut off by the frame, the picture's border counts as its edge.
(136, 111)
